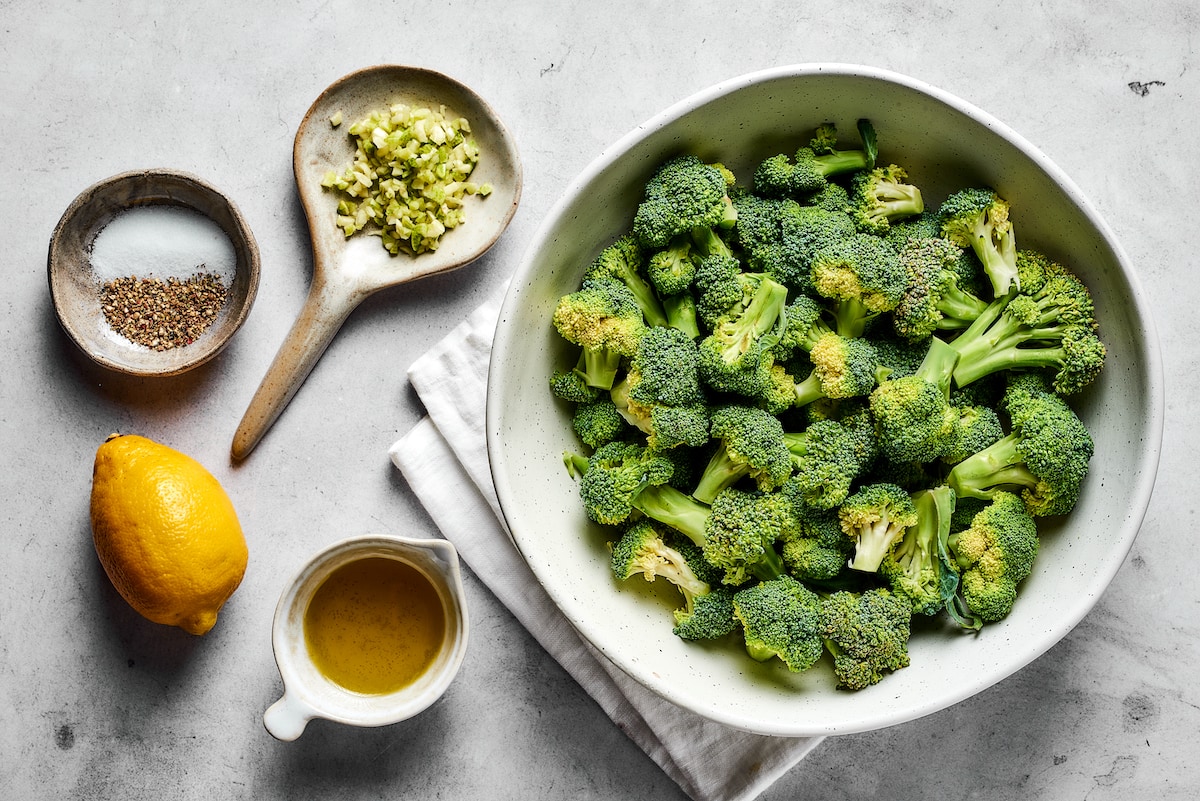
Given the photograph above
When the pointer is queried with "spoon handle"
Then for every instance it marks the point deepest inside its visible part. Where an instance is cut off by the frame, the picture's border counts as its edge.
(325, 309)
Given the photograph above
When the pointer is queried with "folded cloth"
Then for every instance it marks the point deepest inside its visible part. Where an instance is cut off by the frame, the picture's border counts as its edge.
(444, 460)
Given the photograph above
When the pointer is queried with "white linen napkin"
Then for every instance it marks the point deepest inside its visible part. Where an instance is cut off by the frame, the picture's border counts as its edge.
(444, 459)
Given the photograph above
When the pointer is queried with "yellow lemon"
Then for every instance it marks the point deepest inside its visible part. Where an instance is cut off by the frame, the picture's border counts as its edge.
(166, 532)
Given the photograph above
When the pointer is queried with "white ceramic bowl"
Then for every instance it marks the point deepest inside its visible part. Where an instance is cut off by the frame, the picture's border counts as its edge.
(945, 144)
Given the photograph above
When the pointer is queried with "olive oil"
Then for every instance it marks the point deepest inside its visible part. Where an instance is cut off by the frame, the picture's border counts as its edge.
(374, 625)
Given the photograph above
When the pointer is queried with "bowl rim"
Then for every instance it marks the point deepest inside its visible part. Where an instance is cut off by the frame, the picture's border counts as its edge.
(1148, 355)
(241, 230)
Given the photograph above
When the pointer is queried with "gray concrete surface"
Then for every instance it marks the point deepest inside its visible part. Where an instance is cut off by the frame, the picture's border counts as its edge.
(96, 703)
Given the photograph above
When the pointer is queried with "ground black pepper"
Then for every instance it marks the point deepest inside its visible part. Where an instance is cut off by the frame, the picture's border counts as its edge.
(162, 315)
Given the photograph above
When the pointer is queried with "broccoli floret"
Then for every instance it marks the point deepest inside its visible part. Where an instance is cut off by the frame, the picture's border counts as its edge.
(898, 357)
(875, 517)
(781, 618)
(661, 394)
(749, 443)
(978, 219)
(1044, 458)
(843, 367)
(975, 428)
(934, 298)
(576, 386)
(767, 248)
(719, 286)
(708, 611)
(758, 220)
(825, 137)
(966, 267)
(1051, 328)
(623, 261)
(604, 319)
(742, 530)
(831, 197)
(855, 416)
(1033, 268)
(926, 225)
(862, 276)
(803, 327)
(916, 568)
(912, 476)
(710, 616)
(994, 555)
(672, 269)
(737, 533)
(666, 427)
(882, 195)
(665, 368)
(615, 475)
(598, 422)
(801, 231)
(804, 232)
(965, 510)
(738, 352)
(912, 414)
(809, 170)
(826, 461)
(682, 314)
(815, 549)
(776, 392)
(867, 634)
(683, 194)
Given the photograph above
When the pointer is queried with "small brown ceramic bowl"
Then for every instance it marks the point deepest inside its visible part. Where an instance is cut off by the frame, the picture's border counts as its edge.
(75, 286)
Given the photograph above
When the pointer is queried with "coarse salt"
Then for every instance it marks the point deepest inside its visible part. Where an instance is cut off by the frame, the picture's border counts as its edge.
(162, 241)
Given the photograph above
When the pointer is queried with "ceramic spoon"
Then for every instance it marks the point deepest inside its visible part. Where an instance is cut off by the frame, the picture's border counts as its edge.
(348, 270)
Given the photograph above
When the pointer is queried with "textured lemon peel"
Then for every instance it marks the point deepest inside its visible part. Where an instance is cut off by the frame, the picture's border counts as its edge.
(165, 532)
(409, 177)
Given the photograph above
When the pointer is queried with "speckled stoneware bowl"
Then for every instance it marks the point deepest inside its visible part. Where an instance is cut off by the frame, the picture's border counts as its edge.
(945, 144)
(75, 288)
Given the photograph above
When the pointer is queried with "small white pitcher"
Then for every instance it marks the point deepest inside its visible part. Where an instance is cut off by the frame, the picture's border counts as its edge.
(309, 694)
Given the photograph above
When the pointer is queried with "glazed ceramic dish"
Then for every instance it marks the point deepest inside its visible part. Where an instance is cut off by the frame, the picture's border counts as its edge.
(945, 144)
(75, 291)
